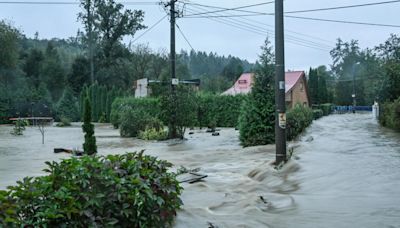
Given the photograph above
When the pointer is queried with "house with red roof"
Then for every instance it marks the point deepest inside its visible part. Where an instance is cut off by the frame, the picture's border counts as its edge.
(295, 87)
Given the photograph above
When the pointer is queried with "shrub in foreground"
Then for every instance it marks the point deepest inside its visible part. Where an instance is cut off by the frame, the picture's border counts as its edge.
(130, 190)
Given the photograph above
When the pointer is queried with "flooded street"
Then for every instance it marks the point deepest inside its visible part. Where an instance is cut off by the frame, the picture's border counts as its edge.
(345, 173)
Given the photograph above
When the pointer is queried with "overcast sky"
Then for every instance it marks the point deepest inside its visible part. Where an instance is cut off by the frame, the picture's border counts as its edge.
(213, 36)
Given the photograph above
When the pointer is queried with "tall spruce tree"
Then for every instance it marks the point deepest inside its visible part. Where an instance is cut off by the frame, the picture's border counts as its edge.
(257, 118)
(89, 146)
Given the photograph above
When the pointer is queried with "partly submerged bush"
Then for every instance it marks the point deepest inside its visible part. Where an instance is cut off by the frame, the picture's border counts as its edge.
(390, 115)
(19, 127)
(64, 122)
(326, 108)
(317, 113)
(152, 133)
(298, 119)
(150, 106)
(134, 121)
(130, 190)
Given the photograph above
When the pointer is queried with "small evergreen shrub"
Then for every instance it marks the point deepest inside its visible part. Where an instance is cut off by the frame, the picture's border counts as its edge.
(297, 120)
(89, 146)
(130, 190)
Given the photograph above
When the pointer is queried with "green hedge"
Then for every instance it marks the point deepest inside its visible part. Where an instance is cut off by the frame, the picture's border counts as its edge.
(298, 119)
(219, 110)
(146, 105)
(390, 115)
(317, 113)
(130, 190)
(326, 108)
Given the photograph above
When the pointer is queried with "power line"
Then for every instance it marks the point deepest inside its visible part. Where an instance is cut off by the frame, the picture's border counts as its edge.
(264, 32)
(150, 28)
(344, 7)
(68, 3)
(255, 13)
(255, 21)
(345, 22)
(187, 41)
(221, 9)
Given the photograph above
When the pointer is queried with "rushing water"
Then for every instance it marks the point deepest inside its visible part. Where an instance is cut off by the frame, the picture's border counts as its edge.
(345, 172)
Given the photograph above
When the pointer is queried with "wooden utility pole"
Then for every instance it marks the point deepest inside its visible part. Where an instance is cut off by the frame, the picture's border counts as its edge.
(280, 115)
(172, 126)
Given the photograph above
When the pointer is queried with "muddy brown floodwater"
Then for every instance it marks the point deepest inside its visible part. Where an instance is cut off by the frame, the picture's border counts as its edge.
(345, 172)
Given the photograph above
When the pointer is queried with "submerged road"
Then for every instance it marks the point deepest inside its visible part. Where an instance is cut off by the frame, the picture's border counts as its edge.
(349, 175)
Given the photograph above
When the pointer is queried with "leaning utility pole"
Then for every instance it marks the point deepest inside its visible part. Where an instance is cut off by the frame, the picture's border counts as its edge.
(280, 115)
(172, 126)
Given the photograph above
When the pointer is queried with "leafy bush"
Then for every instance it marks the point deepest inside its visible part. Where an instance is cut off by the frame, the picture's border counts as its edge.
(326, 108)
(317, 113)
(134, 121)
(298, 119)
(19, 127)
(153, 134)
(390, 114)
(185, 114)
(130, 190)
(64, 122)
(122, 105)
(7, 210)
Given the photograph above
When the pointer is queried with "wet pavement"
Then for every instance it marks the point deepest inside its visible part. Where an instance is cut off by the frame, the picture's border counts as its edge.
(345, 172)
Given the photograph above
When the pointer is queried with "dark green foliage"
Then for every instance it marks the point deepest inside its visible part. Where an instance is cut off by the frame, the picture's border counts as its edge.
(298, 119)
(257, 118)
(221, 111)
(8, 215)
(79, 75)
(101, 99)
(317, 113)
(390, 115)
(89, 146)
(318, 90)
(181, 107)
(133, 121)
(19, 127)
(146, 105)
(326, 108)
(130, 190)
(67, 107)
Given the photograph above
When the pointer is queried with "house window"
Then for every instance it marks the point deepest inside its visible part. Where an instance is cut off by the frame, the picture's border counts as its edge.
(242, 81)
(301, 87)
